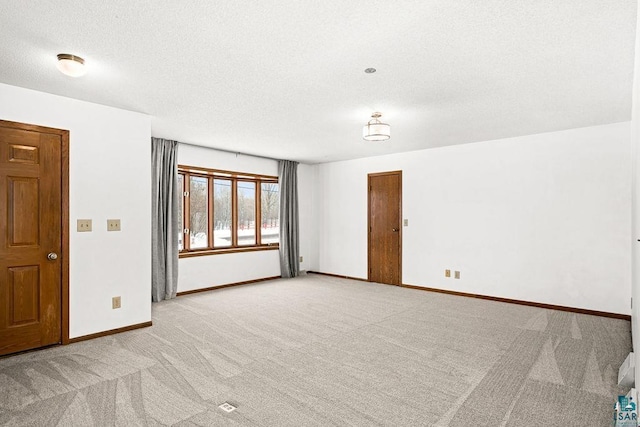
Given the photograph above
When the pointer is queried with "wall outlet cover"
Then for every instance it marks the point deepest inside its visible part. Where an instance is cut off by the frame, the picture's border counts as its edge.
(113, 225)
(457, 274)
(84, 225)
(447, 273)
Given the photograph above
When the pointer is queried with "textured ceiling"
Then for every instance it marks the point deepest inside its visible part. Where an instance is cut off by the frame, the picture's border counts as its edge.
(285, 79)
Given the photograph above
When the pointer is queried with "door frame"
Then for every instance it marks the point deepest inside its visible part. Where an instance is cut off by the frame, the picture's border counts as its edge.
(65, 227)
(369, 176)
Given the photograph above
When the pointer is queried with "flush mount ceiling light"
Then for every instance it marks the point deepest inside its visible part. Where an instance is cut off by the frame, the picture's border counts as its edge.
(71, 65)
(375, 130)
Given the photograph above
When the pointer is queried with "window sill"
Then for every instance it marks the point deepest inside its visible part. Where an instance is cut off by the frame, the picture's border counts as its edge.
(206, 252)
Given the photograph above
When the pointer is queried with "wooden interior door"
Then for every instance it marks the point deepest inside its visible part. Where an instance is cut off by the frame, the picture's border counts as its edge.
(385, 230)
(31, 236)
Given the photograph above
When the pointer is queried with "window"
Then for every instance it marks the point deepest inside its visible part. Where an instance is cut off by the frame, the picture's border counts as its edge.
(223, 211)
(180, 210)
(270, 212)
(222, 201)
(246, 213)
(198, 216)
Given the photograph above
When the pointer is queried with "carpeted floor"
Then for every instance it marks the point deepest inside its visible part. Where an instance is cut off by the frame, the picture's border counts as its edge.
(320, 351)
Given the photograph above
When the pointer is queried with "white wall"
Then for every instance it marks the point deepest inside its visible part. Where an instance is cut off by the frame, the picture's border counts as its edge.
(110, 177)
(635, 212)
(541, 218)
(308, 216)
(220, 269)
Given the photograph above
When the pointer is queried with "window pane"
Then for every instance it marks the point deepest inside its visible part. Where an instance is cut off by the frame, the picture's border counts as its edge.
(198, 196)
(270, 210)
(221, 213)
(180, 210)
(246, 213)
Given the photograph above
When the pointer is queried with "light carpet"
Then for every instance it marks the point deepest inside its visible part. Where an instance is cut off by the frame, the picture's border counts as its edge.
(321, 351)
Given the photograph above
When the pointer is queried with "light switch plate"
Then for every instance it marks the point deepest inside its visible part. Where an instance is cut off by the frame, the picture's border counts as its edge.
(113, 225)
(406, 222)
(116, 302)
(84, 225)
(457, 274)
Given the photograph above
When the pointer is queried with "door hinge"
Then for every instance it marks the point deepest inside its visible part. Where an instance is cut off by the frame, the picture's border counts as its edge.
(185, 194)
(370, 229)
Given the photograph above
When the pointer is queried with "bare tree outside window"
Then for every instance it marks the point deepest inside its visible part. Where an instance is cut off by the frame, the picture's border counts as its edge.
(246, 213)
(199, 221)
(270, 215)
(221, 213)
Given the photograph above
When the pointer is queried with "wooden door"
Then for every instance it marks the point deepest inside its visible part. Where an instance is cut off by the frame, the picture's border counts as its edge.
(31, 243)
(385, 231)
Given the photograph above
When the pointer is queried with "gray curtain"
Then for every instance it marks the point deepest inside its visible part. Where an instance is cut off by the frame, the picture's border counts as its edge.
(289, 245)
(164, 240)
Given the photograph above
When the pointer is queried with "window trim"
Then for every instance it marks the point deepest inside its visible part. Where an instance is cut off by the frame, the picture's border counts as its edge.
(211, 174)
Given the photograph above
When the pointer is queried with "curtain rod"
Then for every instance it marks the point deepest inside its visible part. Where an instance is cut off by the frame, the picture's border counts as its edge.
(227, 151)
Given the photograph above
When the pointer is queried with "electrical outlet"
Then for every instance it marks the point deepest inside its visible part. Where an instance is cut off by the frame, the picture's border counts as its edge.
(447, 273)
(84, 225)
(301, 258)
(457, 274)
(113, 225)
(116, 302)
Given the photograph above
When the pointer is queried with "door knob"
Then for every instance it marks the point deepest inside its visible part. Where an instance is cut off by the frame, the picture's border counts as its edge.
(394, 230)
(52, 256)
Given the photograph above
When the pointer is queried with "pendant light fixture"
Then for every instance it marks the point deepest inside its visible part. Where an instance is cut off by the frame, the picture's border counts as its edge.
(71, 65)
(375, 130)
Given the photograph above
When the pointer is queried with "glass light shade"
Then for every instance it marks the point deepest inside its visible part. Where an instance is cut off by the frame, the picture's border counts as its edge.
(376, 132)
(71, 65)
